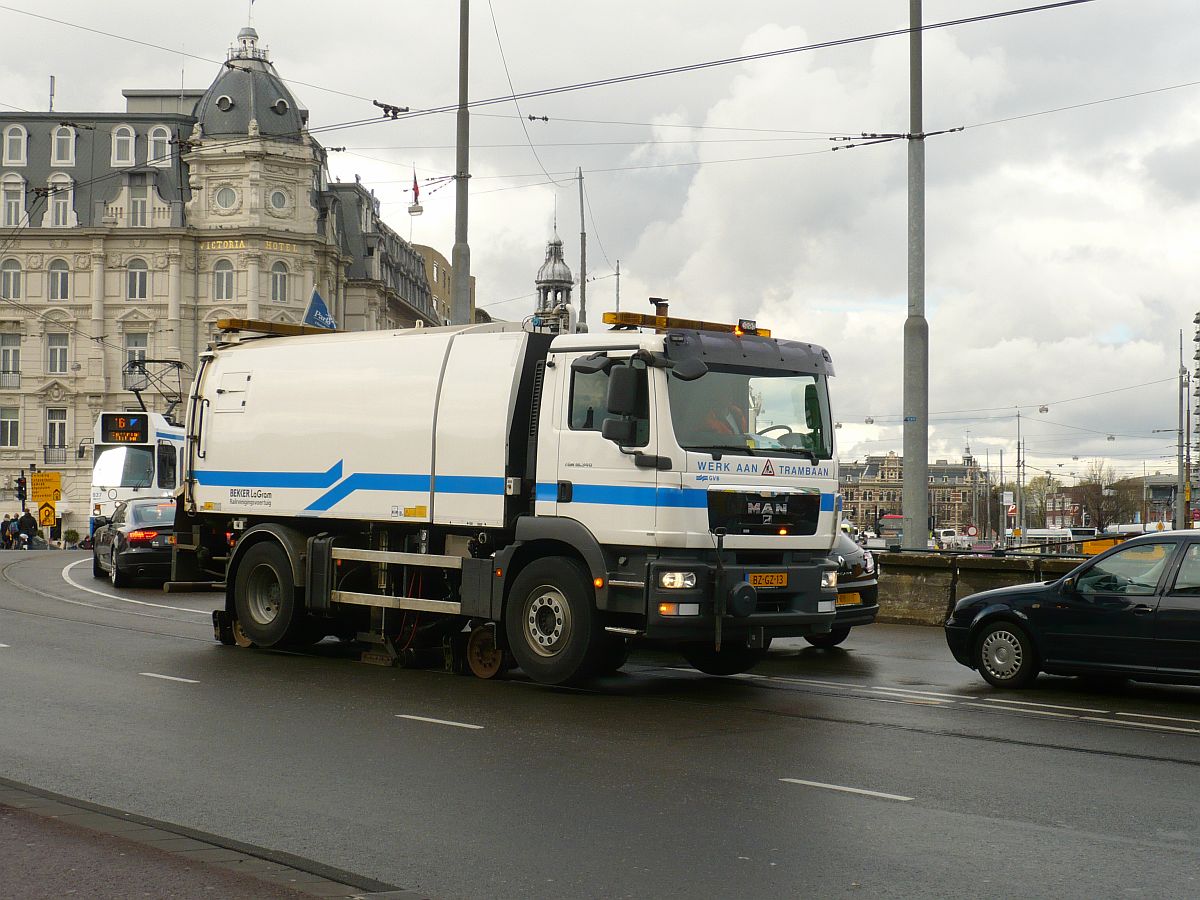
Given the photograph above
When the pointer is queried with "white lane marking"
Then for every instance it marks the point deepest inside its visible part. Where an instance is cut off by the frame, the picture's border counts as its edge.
(67, 578)
(168, 677)
(835, 684)
(914, 701)
(1022, 709)
(919, 694)
(440, 721)
(1046, 705)
(847, 790)
(1137, 715)
(3, 645)
(1144, 725)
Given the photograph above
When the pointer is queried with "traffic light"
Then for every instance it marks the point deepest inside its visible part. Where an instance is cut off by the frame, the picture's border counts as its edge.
(21, 494)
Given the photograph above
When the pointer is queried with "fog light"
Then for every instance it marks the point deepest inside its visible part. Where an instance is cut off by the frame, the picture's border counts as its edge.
(825, 605)
(829, 578)
(677, 580)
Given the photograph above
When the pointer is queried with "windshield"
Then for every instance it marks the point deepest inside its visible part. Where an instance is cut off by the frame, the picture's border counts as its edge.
(752, 410)
(123, 467)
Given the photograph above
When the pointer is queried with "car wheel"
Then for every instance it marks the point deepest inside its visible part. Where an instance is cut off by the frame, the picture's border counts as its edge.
(97, 569)
(729, 660)
(119, 578)
(265, 597)
(826, 641)
(551, 621)
(1004, 655)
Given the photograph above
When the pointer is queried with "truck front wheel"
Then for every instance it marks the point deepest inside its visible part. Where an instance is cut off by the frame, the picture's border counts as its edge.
(264, 596)
(552, 625)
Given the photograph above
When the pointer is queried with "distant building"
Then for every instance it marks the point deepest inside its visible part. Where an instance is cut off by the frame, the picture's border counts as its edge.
(128, 235)
(875, 487)
(440, 275)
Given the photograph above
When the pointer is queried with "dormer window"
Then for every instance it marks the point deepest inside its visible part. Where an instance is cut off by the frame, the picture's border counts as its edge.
(280, 106)
(159, 151)
(224, 103)
(122, 146)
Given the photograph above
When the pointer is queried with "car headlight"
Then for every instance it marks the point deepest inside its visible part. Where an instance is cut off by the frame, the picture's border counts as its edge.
(829, 579)
(868, 562)
(677, 580)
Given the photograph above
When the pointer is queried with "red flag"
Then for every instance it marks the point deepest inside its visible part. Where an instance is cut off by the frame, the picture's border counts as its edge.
(416, 189)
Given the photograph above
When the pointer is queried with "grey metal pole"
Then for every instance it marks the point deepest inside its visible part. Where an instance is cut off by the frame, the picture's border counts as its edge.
(460, 261)
(618, 285)
(582, 324)
(1180, 488)
(916, 328)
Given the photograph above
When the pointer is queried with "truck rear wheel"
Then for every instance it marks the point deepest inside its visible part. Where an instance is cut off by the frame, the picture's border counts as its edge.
(264, 596)
(729, 660)
(551, 622)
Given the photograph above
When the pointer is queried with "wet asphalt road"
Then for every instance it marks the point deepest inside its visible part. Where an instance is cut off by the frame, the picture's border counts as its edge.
(880, 769)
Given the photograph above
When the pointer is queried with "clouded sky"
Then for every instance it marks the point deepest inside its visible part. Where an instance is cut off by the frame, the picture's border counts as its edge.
(1061, 248)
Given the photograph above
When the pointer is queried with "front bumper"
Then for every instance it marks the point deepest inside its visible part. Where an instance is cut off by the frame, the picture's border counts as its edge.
(798, 607)
(862, 613)
(958, 638)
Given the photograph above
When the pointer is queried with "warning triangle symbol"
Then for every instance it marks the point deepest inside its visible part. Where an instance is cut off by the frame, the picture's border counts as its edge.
(767, 468)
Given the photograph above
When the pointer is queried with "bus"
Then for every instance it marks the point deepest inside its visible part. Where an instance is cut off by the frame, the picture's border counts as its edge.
(134, 454)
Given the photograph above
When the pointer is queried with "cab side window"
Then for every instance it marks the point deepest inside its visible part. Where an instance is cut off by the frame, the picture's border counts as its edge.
(166, 466)
(589, 408)
(1188, 579)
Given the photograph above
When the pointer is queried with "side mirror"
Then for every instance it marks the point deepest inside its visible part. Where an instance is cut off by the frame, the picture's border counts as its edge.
(1069, 585)
(623, 390)
(619, 431)
(100, 521)
(590, 365)
(689, 369)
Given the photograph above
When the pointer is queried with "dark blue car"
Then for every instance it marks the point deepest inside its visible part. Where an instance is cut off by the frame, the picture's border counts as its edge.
(1133, 612)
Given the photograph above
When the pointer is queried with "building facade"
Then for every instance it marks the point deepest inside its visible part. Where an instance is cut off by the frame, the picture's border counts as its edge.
(875, 487)
(127, 236)
(440, 275)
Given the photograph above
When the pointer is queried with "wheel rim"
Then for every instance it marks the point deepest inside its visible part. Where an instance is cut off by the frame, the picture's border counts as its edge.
(546, 622)
(1002, 654)
(112, 572)
(263, 593)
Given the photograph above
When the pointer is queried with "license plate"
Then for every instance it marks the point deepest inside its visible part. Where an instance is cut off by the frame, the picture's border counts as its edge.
(768, 579)
(850, 598)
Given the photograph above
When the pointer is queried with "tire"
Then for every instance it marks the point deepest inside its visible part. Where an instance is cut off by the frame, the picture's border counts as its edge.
(613, 655)
(265, 597)
(550, 618)
(97, 569)
(730, 660)
(119, 579)
(1004, 655)
(826, 641)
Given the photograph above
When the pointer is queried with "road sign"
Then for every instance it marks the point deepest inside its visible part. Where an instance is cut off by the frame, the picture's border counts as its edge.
(972, 531)
(1012, 510)
(46, 515)
(45, 487)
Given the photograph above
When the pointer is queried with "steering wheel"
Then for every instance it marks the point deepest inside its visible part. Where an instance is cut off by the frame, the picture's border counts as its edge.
(787, 429)
(1109, 583)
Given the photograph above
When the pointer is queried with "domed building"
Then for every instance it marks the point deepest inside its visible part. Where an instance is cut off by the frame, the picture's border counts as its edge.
(132, 233)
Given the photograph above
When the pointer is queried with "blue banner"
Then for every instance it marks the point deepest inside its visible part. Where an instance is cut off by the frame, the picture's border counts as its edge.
(317, 314)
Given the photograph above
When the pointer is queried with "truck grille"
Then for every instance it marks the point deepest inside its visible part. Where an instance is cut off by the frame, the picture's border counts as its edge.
(763, 512)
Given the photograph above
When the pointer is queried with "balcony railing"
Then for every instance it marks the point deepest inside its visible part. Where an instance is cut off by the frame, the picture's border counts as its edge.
(55, 455)
(10, 379)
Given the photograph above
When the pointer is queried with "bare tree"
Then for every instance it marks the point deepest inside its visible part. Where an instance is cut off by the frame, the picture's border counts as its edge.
(1037, 493)
(1106, 501)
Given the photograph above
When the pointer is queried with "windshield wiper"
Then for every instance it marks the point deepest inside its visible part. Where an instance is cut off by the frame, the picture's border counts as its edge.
(717, 449)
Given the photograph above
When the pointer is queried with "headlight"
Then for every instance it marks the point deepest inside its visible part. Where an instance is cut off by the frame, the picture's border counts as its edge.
(829, 579)
(677, 580)
(868, 562)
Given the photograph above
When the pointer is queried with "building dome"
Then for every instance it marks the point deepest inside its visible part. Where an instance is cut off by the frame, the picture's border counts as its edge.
(248, 97)
(554, 270)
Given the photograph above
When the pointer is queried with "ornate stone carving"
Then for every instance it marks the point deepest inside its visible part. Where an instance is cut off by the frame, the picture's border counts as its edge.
(34, 261)
(114, 261)
(138, 243)
(83, 261)
(59, 243)
(160, 261)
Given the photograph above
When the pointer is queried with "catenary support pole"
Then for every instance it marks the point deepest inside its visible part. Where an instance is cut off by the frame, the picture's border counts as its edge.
(916, 328)
(460, 262)
(582, 325)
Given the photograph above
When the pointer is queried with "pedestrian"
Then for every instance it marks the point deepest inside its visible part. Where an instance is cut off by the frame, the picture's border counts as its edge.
(12, 533)
(5, 537)
(27, 526)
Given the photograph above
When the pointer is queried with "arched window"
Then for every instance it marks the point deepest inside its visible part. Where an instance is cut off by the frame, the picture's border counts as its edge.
(62, 146)
(279, 280)
(10, 279)
(122, 146)
(138, 280)
(12, 195)
(223, 280)
(60, 280)
(14, 145)
(159, 152)
(62, 202)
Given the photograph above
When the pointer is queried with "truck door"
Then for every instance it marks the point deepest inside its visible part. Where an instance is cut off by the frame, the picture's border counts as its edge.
(599, 483)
